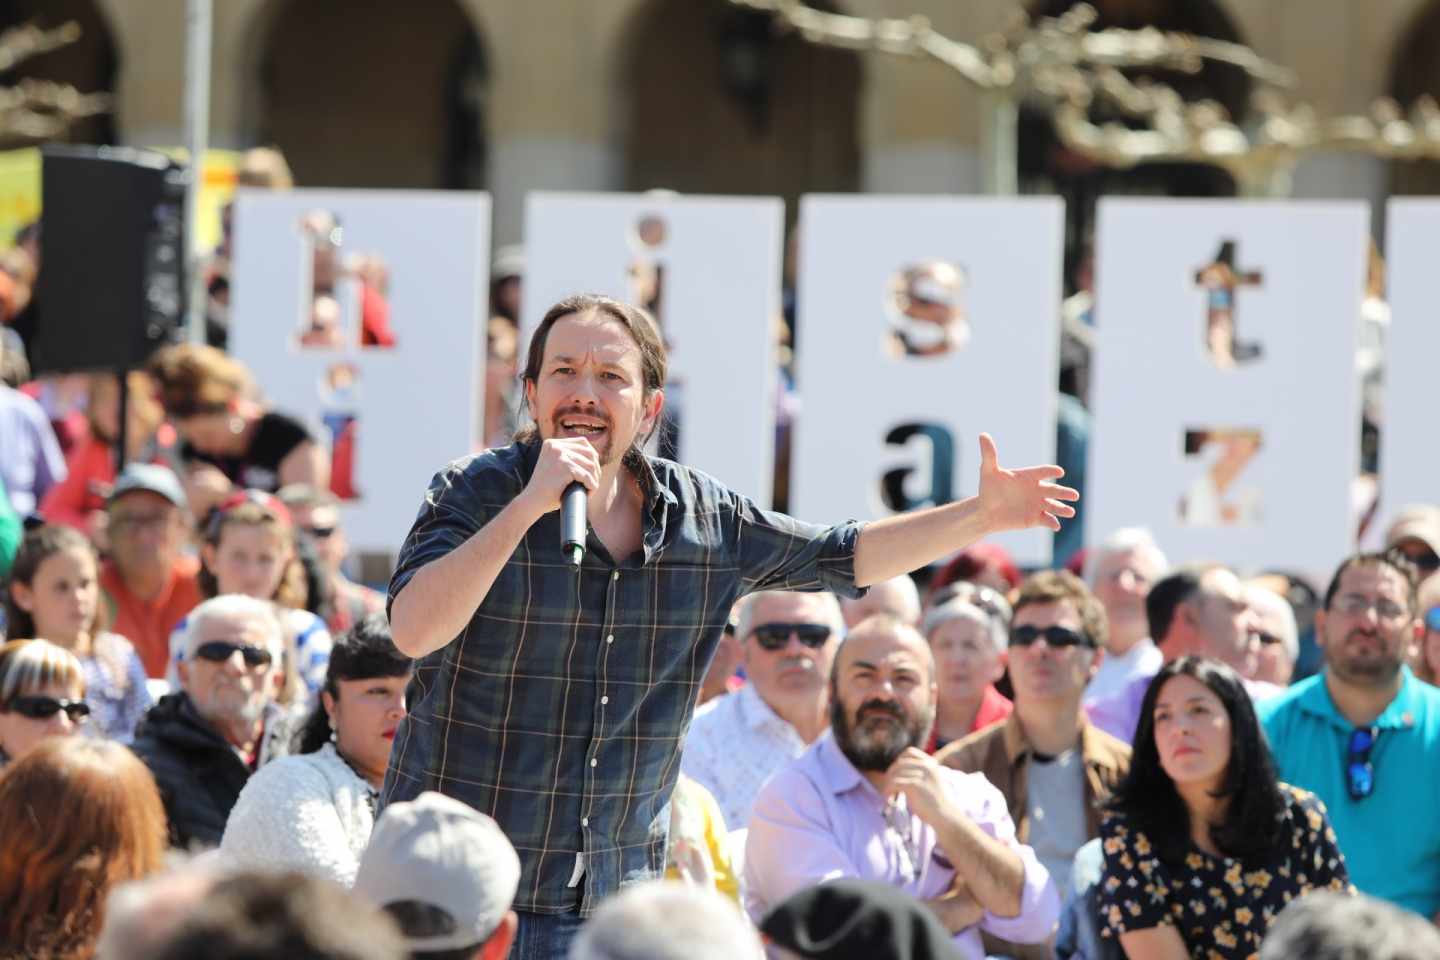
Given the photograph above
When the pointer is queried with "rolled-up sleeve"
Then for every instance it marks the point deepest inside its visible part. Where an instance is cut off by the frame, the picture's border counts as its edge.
(778, 552)
(449, 516)
(1039, 900)
(789, 845)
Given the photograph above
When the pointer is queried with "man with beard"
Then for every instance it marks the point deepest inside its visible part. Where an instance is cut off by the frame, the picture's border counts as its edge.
(203, 742)
(555, 698)
(866, 802)
(1364, 734)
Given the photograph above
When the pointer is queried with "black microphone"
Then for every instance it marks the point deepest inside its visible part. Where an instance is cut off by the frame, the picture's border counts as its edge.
(573, 522)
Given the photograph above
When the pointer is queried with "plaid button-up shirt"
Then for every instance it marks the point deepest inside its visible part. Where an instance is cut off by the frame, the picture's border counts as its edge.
(560, 710)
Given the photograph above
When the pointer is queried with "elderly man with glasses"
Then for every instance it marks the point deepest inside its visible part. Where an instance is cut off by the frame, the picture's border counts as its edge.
(867, 802)
(203, 742)
(737, 741)
(1053, 767)
(1363, 735)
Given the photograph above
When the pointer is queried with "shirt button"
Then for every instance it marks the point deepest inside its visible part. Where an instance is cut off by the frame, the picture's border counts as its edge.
(615, 575)
(610, 639)
(584, 821)
(593, 761)
(604, 700)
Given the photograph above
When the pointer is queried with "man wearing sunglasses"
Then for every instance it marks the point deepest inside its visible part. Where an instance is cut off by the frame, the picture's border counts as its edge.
(203, 742)
(1053, 767)
(735, 743)
(1364, 734)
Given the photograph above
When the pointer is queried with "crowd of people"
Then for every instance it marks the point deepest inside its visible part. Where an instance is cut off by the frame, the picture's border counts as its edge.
(729, 734)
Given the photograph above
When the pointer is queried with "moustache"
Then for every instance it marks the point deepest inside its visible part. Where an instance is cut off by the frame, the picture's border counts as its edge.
(885, 706)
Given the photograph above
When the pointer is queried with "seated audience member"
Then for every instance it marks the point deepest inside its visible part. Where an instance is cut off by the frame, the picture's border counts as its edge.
(79, 501)
(866, 802)
(143, 915)
(1415, 532)
(1193, 612)
(447, 875)
(1364, 733)
(266, 916)
(663, 920)
(249, 549)
(1334, 926)
(30, 458)
(230, 440)
(1121, 571)
(54, 593)
(737, 741)
(149, 583)
(699, 851)
(968, 634)
(897, 596)
(1425, 657)
(316, 515)
(203, 742)
(985, 563)
(314, 810)
(79, 816)
(42, 695)
(1202, 810)
(1279, 638)
(721, 677)
(841, 919)
(1052, 766)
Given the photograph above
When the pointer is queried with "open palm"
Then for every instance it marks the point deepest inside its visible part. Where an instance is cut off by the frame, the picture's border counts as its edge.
(1019, 499)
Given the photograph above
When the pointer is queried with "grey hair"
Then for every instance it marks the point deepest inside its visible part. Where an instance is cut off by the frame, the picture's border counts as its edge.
(237, 606)
(745, 615)
(1126, 540)
(665, 920)
(1289, 632)
(1332, 926)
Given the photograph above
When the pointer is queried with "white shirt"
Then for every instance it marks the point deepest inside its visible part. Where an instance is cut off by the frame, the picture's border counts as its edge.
(735, 743)
(1118, 671)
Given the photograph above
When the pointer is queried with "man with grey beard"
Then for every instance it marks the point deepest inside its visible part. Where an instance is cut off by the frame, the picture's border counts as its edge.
(203, 742)
(865, 801)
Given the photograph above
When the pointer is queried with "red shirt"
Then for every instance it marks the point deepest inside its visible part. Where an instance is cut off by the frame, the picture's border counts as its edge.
(993, 709)
(148, 623)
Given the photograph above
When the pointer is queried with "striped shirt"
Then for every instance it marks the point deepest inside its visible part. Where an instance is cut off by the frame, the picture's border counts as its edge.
(561, 708)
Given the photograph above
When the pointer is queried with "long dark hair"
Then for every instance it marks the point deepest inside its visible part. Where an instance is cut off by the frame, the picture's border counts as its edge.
(40, 545)
(1148, 798)
(365, 651)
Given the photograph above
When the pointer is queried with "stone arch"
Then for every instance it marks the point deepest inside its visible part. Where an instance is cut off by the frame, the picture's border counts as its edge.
(90, 64)
(747, 109)
(375, 106)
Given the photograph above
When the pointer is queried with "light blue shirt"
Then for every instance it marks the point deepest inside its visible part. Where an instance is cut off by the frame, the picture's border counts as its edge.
(1390, 839)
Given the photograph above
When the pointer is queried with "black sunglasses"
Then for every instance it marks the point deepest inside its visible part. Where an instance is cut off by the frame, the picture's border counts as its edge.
(1026, 635)
(219, 651)
(774, 636)
(320, 533)
(43, 708)
(1359, 771)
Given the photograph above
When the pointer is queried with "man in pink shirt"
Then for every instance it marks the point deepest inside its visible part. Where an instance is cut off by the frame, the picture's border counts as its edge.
(866, 802)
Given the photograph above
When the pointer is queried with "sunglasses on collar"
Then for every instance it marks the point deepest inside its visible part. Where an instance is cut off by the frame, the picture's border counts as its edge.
(1359, 771)
(775, 636)
(43, 708)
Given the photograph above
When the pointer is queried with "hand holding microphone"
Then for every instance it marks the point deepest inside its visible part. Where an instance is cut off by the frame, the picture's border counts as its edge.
(568, 469)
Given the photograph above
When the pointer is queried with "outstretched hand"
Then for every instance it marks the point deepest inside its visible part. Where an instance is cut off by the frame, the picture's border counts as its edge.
(1019, 499)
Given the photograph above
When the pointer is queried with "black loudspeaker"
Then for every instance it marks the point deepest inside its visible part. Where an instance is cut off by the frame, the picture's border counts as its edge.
(112, 265)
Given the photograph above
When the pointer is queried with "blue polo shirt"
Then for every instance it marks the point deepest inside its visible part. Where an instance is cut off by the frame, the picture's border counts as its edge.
(1390, 839)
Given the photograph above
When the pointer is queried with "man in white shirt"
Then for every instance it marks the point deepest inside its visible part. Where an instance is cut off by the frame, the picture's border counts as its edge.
(737, 741)
(1121, 572)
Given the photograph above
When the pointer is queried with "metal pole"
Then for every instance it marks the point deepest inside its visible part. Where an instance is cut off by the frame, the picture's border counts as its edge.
(999, 144)
(197, 140)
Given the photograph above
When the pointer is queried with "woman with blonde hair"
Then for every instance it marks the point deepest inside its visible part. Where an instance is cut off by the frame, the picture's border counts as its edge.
(42, 695)
(79, 817)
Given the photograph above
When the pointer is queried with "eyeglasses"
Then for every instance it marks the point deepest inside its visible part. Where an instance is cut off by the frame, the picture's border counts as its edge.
(1432, 619)
(1359, 771)
(320, 533)
(775, 636)
(220, 651)
(1357, 605)
(43, 708)
(153, 521)
(1056, 636)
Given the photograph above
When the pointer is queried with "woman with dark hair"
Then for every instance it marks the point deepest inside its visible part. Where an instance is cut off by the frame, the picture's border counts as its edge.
(1203, 844)
(313, 811)
(79, 816)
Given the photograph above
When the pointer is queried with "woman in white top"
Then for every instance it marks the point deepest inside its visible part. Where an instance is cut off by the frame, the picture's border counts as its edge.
(313, 811)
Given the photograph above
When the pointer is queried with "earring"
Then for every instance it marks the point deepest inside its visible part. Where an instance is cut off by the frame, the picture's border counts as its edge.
(333, 737)
(237, 424)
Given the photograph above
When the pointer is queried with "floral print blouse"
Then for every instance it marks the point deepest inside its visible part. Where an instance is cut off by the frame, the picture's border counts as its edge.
(1220, 907)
